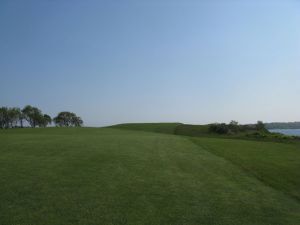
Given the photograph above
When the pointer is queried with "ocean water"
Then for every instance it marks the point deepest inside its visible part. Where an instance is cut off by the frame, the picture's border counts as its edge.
(294, 132)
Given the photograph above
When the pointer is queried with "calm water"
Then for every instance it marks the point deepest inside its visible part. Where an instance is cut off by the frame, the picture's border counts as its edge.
(295, 132)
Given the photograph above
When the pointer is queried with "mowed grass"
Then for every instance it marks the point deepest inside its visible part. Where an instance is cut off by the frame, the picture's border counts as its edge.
(165, 128)
(275, 164)
(110, 176)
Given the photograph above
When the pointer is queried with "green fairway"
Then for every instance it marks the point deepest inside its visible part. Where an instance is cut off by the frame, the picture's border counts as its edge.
(110, 176)
(275, 164)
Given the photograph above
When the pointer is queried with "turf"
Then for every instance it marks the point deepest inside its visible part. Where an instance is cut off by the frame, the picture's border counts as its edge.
(275, 164)
(113, 176)
(192, 130)
(165, 128)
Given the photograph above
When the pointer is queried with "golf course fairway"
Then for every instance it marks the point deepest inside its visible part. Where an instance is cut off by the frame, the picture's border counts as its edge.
(64, 176)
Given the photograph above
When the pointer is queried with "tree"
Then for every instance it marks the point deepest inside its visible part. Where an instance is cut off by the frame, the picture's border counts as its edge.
(219, 128)
(21, 118)
(233, 126)
(33, 115)
(10, 117)
(77, 121)
(14, 115)
(45, 120)
(28, 112)
(260, 126)
(4, 118)
(67, 119)
(63, 119)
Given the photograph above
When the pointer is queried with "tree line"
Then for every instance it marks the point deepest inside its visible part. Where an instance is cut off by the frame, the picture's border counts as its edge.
(235, 127)
(11, 117)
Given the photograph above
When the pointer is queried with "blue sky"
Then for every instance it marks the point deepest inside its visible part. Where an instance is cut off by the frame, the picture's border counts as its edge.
(153, 61)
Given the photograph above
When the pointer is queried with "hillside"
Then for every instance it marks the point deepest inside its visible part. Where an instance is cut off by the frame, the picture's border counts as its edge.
(113, 176)
(246, 132)
(165, 128)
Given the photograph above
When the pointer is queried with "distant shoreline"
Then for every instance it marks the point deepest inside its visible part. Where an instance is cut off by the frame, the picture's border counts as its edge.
(283, 125)
(290, 132)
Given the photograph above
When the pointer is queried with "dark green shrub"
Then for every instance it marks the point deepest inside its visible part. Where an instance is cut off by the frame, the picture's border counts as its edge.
(219, 128)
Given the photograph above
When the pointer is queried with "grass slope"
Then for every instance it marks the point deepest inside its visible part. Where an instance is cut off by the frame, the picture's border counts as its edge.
(112, 176)
(165, 128)
(192, 130)
(275, 164)
(178, 129)
(203, 131)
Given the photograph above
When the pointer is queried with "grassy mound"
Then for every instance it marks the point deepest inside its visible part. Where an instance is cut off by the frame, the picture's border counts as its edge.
(166, 128)
(205, 131)
(192, 130)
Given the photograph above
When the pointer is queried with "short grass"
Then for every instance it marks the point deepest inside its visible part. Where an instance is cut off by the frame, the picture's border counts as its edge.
(275, 164)
(165, 128)
(192, 130)
(112, 176)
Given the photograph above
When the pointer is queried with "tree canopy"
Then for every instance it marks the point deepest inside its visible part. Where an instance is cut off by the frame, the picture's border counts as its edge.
(234, 127)
(33, 116)
(11, 117)
(68, 119)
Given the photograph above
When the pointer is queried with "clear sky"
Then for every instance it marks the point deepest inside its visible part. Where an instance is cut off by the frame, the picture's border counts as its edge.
(121, 61)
